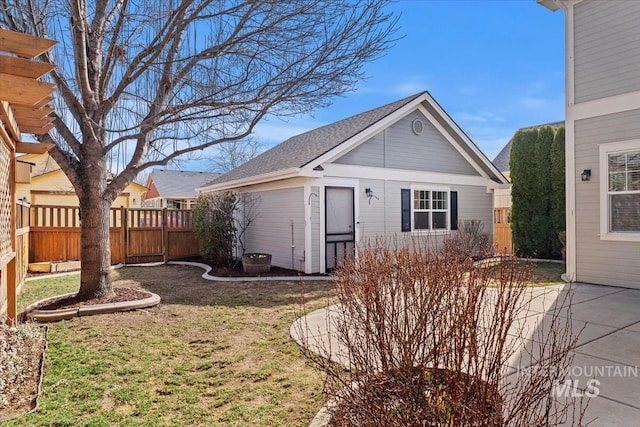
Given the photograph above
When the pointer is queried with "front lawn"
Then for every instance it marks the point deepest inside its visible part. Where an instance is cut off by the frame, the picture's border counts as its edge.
(211, 354)
(543, 273)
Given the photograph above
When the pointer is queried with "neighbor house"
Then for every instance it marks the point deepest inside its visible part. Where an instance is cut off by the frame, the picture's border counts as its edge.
(48, 185)
(602, 140)
(401, 170)
(23, 109)
(175, 189)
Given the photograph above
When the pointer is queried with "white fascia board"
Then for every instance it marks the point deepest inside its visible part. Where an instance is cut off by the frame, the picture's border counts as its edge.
(252, 180)
(472, 146)
(368, 172)
(452, 141)
(554, 5)
(366, 134)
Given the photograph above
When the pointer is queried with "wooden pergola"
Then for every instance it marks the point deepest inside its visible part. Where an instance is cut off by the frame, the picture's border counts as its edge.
(24, 108)
(24, 98)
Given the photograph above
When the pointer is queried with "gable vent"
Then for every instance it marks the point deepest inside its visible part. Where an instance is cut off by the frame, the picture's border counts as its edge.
(417, 126)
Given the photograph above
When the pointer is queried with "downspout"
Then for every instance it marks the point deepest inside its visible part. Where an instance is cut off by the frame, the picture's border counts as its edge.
(293, 247)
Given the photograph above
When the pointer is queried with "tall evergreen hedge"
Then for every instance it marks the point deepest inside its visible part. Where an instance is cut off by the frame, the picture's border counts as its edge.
(535, 179)
(558, 201)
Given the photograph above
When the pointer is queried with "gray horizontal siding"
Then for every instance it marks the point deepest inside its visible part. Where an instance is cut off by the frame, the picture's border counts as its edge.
(382, 217)
(475, 203)
(370, 153)
(271, 231)
(601, 261)
(372, 211)
(606, 48)
(399, 148)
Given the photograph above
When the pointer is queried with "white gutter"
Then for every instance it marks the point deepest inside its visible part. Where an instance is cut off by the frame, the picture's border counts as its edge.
(259, 179)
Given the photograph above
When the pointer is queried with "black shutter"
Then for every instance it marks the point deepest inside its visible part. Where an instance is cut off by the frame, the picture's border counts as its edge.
(406, 209)
(454, 210)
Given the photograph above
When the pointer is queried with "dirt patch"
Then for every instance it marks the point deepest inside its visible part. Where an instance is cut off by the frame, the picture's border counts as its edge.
(119, 295)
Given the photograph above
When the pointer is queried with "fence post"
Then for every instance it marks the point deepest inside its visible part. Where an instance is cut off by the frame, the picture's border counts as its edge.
(165, 236)
(123, 233)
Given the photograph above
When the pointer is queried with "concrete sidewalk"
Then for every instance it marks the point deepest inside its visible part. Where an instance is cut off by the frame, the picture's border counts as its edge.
(608, 349)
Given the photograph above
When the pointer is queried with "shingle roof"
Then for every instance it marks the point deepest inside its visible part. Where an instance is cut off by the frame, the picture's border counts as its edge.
(299, 150)
(173, 183)
(501, 161)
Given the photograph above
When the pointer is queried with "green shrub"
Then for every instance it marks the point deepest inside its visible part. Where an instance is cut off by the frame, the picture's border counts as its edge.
(537, 193)
(558, 218)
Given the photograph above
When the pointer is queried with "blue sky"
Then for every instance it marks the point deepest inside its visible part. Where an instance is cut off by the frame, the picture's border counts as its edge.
(494, 65)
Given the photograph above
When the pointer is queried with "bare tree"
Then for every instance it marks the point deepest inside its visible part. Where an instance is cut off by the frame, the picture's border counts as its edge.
(230, 155)
(141, 83)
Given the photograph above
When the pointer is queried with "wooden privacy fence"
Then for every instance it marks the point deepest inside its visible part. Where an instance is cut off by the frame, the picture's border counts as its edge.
(136, 235)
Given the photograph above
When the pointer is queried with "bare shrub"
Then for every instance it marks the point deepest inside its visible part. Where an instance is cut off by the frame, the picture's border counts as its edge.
(470, 241)
(425, 337)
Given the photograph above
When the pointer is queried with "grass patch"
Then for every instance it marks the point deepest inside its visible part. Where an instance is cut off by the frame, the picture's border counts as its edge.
(542, 274)
(212, 353)
(40, 288)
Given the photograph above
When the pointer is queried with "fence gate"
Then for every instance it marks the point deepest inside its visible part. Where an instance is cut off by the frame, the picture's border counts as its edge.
(144, 235)
(502, 231)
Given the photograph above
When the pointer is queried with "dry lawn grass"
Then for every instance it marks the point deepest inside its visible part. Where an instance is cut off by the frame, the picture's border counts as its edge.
(542, 273)
(211, 354)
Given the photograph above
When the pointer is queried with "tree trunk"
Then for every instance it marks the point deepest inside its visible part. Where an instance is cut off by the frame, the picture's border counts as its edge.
(95, 277)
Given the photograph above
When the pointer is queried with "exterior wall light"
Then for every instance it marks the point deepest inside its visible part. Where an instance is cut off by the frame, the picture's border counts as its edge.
(369, 192)
(586, 175)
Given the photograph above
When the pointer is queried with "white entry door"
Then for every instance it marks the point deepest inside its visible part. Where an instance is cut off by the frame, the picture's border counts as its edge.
(339, 227)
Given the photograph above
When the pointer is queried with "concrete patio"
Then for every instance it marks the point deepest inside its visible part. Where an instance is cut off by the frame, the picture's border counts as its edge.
(607, 356)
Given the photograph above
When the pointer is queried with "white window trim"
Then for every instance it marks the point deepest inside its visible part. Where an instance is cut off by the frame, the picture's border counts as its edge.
(605, 150)
(427, 187)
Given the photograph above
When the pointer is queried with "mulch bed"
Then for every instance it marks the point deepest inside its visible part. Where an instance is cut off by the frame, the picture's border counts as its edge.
(236, 271)
(120, 295)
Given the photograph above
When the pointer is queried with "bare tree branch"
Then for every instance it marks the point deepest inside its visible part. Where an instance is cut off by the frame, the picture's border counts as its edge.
(141, 83)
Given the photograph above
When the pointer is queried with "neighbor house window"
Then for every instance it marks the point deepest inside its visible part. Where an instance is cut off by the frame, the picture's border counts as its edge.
(620, 190)
(173, 204)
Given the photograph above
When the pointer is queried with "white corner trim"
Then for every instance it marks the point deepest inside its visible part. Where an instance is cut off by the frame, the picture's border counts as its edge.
(569, 56)
(570, 198)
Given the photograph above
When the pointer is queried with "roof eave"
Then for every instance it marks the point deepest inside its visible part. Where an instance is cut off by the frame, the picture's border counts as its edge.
(477, 153)
(552, 5)
(252, 180)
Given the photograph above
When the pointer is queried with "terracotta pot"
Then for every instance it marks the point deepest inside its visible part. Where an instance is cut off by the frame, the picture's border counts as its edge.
(256, 263)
